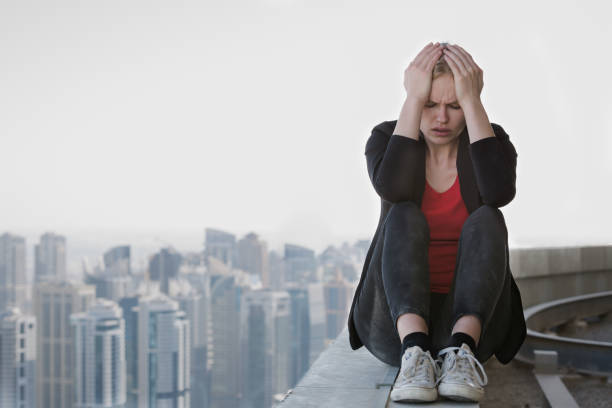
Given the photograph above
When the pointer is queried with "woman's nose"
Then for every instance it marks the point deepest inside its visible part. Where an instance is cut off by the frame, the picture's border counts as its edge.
(442, 114)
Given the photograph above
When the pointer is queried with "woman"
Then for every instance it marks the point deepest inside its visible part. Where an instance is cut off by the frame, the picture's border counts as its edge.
(437, 280)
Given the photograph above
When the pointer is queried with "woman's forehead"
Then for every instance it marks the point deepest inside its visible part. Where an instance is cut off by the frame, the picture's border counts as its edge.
(443, 90)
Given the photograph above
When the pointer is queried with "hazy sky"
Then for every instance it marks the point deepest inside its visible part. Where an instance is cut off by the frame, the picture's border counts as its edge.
(253, 115)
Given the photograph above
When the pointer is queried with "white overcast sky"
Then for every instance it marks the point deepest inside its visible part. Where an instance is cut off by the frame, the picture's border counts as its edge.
(253, 115)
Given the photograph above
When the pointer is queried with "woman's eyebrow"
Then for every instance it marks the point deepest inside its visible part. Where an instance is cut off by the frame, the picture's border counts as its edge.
(450, 103)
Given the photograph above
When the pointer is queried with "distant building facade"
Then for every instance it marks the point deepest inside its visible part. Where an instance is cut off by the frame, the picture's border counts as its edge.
(17, 359)
(99, 362)
(12, 272)
(50, 258)
(163, 353)
(54, 302)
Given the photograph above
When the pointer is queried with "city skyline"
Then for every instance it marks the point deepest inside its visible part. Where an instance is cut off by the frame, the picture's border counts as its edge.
(178, 332)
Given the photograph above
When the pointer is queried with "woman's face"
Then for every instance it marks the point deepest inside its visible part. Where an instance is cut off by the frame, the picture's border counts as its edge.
(442, 111)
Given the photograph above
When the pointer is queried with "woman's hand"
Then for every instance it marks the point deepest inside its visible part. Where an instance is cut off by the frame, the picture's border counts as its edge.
(417, 77)
(468, 75)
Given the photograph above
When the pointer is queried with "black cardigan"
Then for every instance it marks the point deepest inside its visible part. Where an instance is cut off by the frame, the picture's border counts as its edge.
(487, 175)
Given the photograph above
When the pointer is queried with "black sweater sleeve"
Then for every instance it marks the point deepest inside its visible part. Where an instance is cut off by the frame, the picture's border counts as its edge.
(393, 163)
(494, 162)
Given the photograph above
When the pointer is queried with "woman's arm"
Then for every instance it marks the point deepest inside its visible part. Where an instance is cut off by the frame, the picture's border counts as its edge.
(494, 162)
(394, 158)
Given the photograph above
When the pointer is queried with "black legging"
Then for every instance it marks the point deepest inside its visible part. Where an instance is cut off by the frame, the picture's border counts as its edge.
(481, 284)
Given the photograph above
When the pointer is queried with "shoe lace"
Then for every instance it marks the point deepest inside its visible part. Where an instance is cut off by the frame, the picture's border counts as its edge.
(465, 362)
(416, 367)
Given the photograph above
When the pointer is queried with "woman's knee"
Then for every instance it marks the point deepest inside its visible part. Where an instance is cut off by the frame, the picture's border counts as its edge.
(487, 219)
(407, 214)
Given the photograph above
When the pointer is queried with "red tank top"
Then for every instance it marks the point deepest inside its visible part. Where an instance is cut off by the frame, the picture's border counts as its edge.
(445, 213)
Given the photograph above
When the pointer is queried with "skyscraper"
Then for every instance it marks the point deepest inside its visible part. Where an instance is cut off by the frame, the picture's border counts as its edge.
(221, 245)
(195, 308)
(265, 335)
(99, 362)
(253, 257)
(50, 258)
(277, 271)
(117, 261)
(163, 266)
(54, 302)
(12, 271)
(338, 295)
(163, 353)
(17, 359)
(130, 315)
(316, 305)
(225, 301)
(300, 264)
(201, 350)
(300, 334)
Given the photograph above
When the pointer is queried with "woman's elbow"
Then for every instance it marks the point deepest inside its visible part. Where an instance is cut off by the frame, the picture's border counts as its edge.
(500, 198)
(392, 195)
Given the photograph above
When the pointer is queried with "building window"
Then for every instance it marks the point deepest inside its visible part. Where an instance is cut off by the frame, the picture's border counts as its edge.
(99, 369)
(22, 343)
(152, 380)
(153, 330)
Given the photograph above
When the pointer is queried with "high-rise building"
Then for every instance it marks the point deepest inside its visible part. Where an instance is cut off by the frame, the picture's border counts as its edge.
(50, 258)
(163, 353)
(225, 300)
(221, 245)
(196, 310)
(17, 359)
(201, 351)
(99, 356)
(300, 334)
(253, 257)
(117, 261)
(265, 335)
(277, 271)
(316, 306)
(338, 295)
(164, 266)
(12, 272)
(300, 264)
(54, 302)
(107, 286)
(130, 315)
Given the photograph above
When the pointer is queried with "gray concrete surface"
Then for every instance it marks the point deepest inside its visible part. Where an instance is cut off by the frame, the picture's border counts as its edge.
(342, 377)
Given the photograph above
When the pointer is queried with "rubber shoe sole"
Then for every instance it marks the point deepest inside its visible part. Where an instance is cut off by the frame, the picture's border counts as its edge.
(460, 392)
(414, 394)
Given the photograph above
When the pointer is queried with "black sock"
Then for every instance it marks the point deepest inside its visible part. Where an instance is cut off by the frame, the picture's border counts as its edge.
(459, 337)
(420, 339)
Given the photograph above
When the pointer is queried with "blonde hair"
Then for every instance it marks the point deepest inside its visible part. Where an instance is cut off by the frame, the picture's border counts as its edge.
(440, 69)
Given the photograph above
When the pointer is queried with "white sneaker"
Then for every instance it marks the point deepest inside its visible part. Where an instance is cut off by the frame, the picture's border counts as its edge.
(459, 379)
(416, 380)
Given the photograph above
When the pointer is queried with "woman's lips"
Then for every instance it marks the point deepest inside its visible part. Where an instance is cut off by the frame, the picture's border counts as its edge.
(441, 132)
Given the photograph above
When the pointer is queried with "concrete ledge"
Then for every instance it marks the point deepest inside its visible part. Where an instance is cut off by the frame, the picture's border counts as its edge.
(546, 261)
(342, 377)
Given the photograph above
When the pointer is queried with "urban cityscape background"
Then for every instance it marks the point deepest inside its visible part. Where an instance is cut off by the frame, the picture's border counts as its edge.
(233, 325)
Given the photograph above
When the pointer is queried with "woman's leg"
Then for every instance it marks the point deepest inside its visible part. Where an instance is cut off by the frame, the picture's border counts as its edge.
(481, 284)
(396, 283)
(405, 272)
